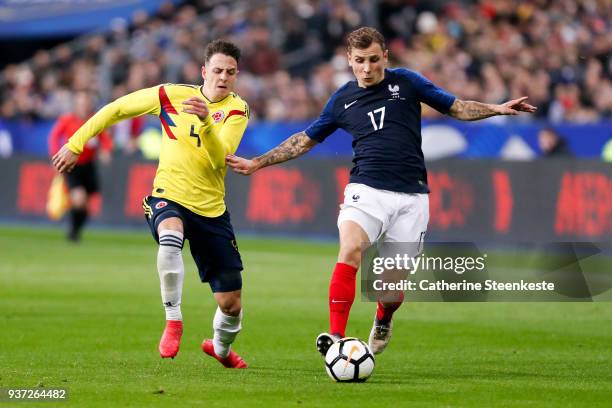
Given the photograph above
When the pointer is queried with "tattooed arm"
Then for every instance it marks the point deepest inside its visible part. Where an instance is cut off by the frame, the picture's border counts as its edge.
(292, 147)
(472, 110)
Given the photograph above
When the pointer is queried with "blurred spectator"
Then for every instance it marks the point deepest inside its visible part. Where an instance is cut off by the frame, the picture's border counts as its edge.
(552, 145)
(606, 152)
(82, 181)
(557, 52)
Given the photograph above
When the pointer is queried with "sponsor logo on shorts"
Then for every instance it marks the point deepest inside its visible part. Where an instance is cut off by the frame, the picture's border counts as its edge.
(218, 116)
(161, 204)
(234, 244)
(356, 197)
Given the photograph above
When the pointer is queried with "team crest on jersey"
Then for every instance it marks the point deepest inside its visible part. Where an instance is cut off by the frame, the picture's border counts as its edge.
(394, 89)
(161, 204)
(218, 116)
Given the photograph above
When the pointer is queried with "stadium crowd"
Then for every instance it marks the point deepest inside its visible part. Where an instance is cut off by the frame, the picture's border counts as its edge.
(555, 51)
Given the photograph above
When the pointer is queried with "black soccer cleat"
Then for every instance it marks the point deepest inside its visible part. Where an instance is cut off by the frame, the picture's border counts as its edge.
(325, 341)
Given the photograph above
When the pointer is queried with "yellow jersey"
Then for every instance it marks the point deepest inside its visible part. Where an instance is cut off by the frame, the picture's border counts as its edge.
(191, 167)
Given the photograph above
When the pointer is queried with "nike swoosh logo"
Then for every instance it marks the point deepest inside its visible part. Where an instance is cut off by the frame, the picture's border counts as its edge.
(339, 301)
(348, 105)
(353, 350)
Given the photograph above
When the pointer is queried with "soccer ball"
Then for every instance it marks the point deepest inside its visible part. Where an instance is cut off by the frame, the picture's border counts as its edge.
(349, 360)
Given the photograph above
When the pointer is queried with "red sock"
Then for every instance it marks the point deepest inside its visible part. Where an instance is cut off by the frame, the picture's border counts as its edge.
(385, 313)
(341, 297)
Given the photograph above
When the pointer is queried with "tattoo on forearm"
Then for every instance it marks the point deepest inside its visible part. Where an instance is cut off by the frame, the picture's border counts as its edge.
(293, 147)
(471, 110)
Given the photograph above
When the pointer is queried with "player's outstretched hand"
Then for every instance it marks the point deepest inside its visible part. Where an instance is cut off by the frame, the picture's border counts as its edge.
(64, 160)
(515, 106)
(196, 106)
(240, 165)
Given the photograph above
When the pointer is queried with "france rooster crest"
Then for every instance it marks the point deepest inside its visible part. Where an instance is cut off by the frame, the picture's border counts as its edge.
(394, 89)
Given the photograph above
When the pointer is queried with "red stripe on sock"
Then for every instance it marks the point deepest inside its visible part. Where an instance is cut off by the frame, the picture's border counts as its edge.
(341, 297)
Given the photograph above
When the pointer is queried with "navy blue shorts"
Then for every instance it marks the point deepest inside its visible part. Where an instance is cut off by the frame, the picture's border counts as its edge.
(211, 240)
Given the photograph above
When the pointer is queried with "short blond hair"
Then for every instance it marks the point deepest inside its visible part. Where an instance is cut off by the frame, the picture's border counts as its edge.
(364, 37)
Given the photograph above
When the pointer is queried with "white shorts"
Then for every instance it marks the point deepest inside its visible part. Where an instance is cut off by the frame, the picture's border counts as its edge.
(384, 215)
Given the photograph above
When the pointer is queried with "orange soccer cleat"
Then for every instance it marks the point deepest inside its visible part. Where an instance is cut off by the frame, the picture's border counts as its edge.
(233, 360)
(171, 339)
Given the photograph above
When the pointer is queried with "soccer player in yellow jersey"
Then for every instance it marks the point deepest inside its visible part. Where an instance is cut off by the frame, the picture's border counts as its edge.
(200, 126)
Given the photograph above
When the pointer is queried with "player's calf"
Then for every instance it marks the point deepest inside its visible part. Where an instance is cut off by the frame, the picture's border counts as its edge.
(226, 327)
(341, 297)
(171, 273)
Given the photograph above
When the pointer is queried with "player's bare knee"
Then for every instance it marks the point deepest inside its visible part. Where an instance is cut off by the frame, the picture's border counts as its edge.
(78, 197)
(229, 303)
(350, 253)
(169, 260)
(352, 240)
(171, 223)
(232, 309)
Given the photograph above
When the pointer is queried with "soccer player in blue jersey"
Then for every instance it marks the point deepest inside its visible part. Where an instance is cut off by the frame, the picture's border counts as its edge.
(387, 196)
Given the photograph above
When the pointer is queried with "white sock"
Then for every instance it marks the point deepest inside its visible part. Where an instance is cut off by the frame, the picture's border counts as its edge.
(171, 272)
(226, 329)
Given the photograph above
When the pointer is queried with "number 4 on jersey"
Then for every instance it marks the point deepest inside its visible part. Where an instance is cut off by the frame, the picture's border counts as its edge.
(382, 117)
(194, 134)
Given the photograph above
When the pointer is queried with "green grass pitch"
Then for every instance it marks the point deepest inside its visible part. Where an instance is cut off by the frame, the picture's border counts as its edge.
(88, 318)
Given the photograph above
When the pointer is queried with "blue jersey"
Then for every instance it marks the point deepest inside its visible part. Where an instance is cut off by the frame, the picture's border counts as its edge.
(385, 122)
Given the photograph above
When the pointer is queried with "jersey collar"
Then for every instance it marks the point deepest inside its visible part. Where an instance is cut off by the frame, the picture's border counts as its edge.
(208, 100)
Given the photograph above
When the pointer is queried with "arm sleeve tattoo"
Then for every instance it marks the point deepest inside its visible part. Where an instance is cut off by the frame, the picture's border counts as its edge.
(471, 110)
(294, 146)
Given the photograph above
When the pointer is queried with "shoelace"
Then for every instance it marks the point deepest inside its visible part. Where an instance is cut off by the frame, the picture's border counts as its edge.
(380, 332)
